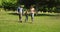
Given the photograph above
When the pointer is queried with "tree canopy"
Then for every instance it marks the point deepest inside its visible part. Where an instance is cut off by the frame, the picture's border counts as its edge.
(42, 5)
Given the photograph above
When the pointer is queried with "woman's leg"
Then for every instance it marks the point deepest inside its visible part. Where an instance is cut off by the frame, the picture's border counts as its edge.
(32, 17)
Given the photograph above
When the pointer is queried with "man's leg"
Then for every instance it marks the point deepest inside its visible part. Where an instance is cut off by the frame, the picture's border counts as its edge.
(20, 17)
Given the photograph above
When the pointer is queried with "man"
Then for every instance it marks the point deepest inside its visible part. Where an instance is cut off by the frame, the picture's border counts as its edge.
(20, 10)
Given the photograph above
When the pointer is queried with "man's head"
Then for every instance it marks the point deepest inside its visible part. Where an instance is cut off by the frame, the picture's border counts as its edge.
(22, 6)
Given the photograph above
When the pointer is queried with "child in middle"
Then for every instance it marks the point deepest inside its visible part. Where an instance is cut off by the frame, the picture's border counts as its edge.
(26, 15)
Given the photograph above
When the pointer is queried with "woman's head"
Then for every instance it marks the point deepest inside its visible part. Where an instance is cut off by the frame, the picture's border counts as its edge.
(31, 6)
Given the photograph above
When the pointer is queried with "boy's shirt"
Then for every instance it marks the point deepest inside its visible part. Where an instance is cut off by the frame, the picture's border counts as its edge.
(26, 13)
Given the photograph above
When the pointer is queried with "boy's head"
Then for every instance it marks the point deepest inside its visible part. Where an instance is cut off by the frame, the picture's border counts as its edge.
(31, 6)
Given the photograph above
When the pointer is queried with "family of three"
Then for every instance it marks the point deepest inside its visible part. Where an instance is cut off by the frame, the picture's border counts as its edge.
(20, 12)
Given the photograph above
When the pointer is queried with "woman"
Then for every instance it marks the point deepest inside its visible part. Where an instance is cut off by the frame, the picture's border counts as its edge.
(32, 10)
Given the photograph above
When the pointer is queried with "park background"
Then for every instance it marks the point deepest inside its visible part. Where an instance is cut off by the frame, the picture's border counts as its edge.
(46, 20)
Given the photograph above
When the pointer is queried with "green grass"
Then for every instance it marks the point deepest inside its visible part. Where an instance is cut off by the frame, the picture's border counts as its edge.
(9, 23)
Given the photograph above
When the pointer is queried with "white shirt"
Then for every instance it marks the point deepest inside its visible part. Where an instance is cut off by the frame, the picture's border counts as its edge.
(32, 10)
(20, 9)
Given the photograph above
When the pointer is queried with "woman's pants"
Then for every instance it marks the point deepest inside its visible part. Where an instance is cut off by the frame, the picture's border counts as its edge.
(32, 16)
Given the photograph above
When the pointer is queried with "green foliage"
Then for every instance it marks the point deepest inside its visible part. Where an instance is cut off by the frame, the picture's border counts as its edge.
(43, 5)
(10, 4)
(0, 3)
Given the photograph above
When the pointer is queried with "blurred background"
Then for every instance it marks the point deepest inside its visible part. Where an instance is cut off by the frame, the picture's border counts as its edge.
(40, 5)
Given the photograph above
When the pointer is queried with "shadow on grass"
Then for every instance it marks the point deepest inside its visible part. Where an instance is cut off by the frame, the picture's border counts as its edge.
(35, 14)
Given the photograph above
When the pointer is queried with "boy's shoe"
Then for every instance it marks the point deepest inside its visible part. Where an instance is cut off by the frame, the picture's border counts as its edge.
(20, 21)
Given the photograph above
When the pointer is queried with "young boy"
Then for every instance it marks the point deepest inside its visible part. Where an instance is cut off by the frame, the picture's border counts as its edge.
(26, 15)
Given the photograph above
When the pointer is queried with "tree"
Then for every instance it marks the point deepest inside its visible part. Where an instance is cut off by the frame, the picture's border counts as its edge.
(10, 4)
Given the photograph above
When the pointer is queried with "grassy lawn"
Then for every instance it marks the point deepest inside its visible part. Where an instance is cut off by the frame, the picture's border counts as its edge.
(42, 23)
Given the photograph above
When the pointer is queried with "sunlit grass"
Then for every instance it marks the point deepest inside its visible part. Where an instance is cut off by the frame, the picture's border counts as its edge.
(9, 23)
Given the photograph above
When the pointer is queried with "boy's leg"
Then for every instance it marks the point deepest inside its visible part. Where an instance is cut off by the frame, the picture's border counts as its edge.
(26, 18)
